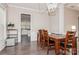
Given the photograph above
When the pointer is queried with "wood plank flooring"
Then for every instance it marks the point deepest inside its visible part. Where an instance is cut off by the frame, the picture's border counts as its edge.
(27, 48)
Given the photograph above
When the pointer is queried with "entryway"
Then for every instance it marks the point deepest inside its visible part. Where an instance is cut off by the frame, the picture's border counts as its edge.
(25, 28)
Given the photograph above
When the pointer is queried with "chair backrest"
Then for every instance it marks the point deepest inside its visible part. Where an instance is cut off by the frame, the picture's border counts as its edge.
(46, 37)
(70, 36)
(38, 35)
(41, 34)
(45, 34)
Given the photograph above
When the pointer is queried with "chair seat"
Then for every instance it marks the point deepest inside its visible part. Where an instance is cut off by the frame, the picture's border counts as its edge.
(69, 45)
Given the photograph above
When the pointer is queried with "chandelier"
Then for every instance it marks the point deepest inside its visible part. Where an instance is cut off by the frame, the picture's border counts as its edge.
(51, 8)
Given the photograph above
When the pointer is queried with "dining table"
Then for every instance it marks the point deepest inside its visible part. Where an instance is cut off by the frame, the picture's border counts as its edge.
(57, 38)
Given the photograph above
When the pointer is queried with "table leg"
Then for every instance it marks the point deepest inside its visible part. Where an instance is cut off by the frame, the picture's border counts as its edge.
(74, 50)
(57, 46)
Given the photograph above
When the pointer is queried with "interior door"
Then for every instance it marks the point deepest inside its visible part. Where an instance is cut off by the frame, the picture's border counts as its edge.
(25, 27)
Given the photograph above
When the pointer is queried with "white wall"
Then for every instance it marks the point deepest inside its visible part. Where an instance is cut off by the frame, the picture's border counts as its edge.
(70, 18)
(2, 26)
(54, 23)
(38, 20)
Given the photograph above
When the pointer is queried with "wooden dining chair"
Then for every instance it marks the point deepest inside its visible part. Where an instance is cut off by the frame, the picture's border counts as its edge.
(49, 43)
(69, 42)
(41, 39)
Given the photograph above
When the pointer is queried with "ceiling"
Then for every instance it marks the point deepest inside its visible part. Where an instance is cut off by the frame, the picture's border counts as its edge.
(74, 6)
(43, 6)
(36, 6)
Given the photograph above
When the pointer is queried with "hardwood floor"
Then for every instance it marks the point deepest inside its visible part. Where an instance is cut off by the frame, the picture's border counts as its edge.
(28, 48)
(24, 49)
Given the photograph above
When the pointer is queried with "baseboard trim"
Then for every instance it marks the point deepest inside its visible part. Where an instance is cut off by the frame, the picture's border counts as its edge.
(2, 48)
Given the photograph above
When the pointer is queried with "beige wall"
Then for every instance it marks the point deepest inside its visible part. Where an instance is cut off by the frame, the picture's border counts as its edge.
(38, 20)
(70, 18)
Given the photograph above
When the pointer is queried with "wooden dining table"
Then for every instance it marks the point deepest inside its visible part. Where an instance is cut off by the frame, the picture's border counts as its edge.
(57, 38)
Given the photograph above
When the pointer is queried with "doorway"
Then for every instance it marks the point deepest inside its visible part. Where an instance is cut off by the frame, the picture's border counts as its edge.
(25, 28)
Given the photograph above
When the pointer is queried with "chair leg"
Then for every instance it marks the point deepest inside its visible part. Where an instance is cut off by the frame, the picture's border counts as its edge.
(64, 52)
(43, 45)
(47, 50)
(74, 51)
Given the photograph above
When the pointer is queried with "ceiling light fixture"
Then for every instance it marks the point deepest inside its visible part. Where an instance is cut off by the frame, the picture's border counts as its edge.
(51, 8)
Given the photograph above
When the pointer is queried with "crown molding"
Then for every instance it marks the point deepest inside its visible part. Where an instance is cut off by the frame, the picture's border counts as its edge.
(71, 8)
(29, 9)
(3, 5)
